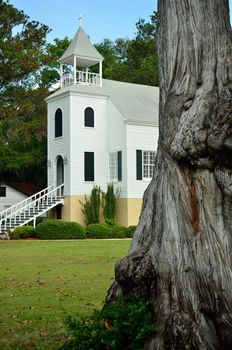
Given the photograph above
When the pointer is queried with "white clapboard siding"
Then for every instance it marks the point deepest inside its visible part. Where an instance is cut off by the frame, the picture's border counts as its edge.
(111, 133)
(117, 142)
(12, 197)
(60, 145)
(143, 138)
(88, 139)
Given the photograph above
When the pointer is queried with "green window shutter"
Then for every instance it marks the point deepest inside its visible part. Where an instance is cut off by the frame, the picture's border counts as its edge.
(119, 165)
(139, 164)
(89, 166)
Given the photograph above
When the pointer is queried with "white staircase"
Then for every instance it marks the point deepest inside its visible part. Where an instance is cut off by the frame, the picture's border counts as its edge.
(29, 209)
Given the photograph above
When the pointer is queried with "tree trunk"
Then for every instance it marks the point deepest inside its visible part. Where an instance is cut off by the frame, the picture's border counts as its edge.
(181, 253)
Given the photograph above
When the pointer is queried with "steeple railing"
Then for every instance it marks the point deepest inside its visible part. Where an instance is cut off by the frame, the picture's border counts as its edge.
(82, 78)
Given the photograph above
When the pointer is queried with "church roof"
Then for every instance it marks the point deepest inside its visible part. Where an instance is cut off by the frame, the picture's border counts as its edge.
(26, 188)
(139, 104)
(81, 47)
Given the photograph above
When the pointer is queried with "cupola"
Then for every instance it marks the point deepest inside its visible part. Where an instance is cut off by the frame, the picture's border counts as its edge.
(77, 61)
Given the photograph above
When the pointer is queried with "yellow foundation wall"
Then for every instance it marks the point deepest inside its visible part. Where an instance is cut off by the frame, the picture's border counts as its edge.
(52, 214)
(121, 212)
(134, 210)
(71, 210)
(127, 212)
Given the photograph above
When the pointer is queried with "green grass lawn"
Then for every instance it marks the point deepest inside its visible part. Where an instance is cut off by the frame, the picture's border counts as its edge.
(42, 282)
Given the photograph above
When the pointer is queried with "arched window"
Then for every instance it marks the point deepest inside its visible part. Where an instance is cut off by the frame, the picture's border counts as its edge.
(89, 117)
(58, 123)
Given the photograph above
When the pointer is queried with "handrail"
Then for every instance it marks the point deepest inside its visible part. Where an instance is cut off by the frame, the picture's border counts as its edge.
(67, 79)
(3, 214)
(88, 78)
(82, 77)
(43, 197)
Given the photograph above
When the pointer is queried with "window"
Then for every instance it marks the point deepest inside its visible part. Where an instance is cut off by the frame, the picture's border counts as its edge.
(89, 166)
(2, 191)
(89, 117)
(58, 123)
(148, 163)
(145, 163)
(115, 165)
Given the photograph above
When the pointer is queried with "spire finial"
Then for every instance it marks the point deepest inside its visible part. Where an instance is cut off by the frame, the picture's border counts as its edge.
(80, 20)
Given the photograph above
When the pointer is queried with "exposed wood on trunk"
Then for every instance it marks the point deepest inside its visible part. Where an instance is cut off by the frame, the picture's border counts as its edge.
(195, 208)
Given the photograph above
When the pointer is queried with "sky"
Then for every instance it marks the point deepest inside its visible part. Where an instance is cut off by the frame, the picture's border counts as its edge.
(102, 19)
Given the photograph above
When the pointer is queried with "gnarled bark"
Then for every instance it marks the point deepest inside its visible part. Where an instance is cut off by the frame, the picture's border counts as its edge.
(181, 253)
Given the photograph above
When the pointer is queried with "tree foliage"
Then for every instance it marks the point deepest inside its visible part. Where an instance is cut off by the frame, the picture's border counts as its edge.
(133, 61)
(28, 68)
(21, 43)
(49, 74)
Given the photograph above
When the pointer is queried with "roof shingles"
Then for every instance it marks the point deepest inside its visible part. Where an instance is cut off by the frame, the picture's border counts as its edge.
(26, 188)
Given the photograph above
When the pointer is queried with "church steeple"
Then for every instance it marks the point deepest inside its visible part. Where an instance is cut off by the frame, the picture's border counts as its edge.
(79, 57)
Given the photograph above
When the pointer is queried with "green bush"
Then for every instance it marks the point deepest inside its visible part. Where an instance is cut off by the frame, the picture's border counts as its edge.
(39, 219)
(118, 231)
(91, 207)
(109, 202)
(22, 232)
(55, 229)
(130, 231)
(98, 231)
(110, 222)
(105, 230)
(124, 325)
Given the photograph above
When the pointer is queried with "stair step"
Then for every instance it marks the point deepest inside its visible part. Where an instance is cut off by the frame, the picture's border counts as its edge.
(29, 212)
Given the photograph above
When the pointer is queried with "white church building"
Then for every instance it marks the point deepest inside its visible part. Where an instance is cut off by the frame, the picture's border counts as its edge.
(100, 131)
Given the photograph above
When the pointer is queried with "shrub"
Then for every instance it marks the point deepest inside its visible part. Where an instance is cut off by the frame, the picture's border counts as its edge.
(110, 222)
(130, 231)
(22, 232)
(91, 207)
(98, 231)
(118, 231)
(39, 219)
(55, 229)
(105, 230)
(109, 201)
(125, 325)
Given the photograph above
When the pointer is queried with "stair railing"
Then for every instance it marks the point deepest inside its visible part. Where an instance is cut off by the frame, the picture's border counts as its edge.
(30, 205)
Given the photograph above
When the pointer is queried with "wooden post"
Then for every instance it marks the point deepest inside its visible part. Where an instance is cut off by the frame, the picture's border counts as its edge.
(100, 72)
(75, 70)
(61, 75)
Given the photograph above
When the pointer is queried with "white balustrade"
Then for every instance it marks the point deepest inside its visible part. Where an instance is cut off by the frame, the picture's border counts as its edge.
(67, 79)
(82, 78)
(31, 205)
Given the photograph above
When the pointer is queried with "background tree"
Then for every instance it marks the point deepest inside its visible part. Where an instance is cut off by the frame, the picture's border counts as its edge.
(21, 117)
(21, 42)
(49, 74)
(180, 257)
(28, 68)
(132, 61)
